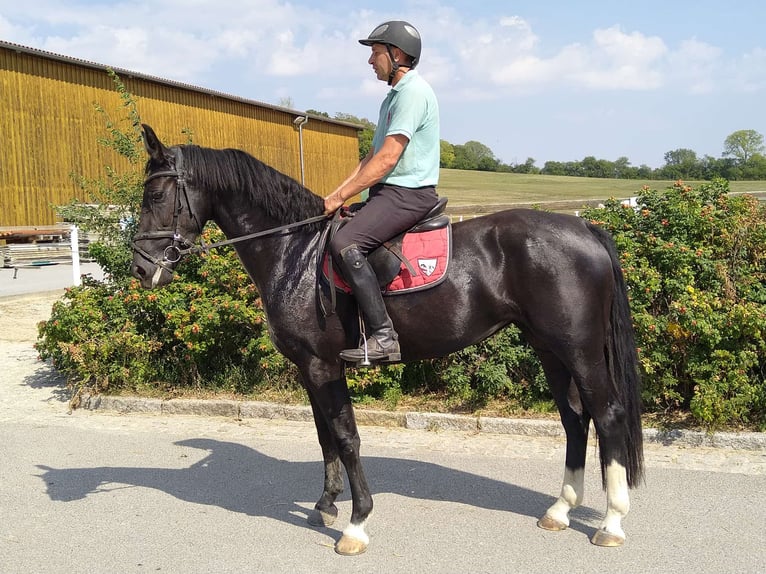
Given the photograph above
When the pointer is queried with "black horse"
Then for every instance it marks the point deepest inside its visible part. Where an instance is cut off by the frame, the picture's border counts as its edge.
(555, 276)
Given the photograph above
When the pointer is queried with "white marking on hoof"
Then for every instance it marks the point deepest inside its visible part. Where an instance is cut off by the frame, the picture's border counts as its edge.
(572, 490)
(617, 507)
(550, 523)
(354, 540)
(607, 539)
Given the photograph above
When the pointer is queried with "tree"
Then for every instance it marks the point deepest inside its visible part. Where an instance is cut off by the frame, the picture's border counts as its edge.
(743, 144)
(554, 168)
(474, 155)
(622, 169)
(682, 163)
(365, 134)
(593, 167)
(526, 167)
(112, 205)
(446, 154)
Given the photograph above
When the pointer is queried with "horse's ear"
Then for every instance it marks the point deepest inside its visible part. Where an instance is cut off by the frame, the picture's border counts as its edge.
(152, 144)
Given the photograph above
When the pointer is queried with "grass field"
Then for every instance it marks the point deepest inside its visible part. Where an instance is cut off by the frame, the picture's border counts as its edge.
(480, 188)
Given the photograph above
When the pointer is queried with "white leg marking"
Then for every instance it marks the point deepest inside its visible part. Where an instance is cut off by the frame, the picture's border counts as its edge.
(357, 532)
(617, 499)
(572, 491)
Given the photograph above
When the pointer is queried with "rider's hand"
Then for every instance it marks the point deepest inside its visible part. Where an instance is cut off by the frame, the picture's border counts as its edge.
(332, 203)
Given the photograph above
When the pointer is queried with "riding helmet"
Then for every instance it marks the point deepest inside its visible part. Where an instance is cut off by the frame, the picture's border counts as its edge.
(397, 33)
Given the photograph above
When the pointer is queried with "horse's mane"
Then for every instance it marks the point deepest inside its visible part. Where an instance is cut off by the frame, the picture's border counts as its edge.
(235, 171)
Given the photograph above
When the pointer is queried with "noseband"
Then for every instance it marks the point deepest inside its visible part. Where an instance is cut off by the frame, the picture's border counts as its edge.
(180, 246)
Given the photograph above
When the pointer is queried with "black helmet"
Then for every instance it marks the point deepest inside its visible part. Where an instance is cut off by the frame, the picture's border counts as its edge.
(397, 33)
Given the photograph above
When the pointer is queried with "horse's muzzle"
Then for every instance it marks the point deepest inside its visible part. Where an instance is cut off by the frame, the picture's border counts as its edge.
(151, 276)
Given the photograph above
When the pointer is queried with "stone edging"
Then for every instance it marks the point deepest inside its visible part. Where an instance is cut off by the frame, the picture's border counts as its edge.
(409, 420)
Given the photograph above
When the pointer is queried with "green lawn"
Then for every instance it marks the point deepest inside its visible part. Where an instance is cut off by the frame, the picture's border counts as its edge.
(482, 188)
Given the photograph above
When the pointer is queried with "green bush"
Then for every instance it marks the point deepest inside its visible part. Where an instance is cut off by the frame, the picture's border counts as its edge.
(695, 264)
(205, 330)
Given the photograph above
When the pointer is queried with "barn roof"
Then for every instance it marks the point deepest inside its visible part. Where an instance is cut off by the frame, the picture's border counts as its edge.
(131, 74)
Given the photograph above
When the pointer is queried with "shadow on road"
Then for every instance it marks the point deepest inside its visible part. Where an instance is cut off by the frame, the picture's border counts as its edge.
(45, 376)
(243, 480)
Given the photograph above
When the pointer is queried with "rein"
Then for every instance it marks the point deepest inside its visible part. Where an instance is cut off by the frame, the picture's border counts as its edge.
(182, 246)
(264, 233)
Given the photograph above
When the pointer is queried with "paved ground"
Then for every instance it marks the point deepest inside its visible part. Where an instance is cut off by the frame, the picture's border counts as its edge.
(97, 491)
(100, 491)
(40, 279)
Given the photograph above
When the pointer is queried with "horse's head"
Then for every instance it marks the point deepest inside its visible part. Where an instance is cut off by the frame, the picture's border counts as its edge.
(172, 214)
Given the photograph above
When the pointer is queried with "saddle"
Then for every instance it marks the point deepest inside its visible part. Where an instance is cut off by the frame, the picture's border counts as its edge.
(427, 243)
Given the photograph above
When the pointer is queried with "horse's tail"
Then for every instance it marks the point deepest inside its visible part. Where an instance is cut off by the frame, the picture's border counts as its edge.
(623, 364)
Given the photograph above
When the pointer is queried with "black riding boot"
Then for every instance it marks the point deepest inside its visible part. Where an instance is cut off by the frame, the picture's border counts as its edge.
(382, 341)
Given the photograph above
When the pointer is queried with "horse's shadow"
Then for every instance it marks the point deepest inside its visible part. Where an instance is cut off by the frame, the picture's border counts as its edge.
(243, 480)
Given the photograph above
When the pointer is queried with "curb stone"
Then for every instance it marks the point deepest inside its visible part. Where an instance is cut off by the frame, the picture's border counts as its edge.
(409, 420)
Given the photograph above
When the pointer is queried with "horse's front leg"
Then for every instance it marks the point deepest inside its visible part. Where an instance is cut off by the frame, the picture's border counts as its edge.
(333, 402)
(325, 512)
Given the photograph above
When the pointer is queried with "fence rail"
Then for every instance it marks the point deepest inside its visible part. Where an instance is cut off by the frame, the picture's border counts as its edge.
(39, 246)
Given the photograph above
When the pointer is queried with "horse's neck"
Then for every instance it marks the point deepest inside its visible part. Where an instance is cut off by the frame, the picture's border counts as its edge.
(283, 255)
(269, 259)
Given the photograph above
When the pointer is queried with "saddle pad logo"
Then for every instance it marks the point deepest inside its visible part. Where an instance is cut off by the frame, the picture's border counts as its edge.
(427, 266)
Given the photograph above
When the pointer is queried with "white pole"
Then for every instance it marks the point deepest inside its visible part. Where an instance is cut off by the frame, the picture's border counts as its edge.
(74, 242)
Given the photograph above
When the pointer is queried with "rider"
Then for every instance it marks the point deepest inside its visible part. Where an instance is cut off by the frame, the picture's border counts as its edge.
(401, 171)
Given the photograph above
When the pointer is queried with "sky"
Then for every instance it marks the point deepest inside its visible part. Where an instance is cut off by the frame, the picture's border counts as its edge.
(548, 80)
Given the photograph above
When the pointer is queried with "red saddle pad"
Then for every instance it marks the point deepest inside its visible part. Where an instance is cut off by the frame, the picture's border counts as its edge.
(428, 252)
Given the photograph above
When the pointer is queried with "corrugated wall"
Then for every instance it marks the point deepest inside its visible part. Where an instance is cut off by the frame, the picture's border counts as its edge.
(49, 130)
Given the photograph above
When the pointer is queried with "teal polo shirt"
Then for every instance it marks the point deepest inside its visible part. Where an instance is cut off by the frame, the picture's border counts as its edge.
(411, 109)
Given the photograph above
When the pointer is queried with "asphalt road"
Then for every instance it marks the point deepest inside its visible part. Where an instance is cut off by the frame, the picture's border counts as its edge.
(100, 492)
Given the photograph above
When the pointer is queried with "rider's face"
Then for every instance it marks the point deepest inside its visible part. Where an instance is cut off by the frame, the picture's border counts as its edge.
(380, 61)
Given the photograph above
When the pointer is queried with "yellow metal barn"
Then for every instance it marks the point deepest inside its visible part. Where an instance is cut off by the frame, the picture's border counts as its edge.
(49, 130)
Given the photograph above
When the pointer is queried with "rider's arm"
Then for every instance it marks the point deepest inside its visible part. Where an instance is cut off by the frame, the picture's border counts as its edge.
(369, 172)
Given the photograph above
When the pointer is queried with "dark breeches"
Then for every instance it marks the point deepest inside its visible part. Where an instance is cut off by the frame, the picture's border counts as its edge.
(389, 211)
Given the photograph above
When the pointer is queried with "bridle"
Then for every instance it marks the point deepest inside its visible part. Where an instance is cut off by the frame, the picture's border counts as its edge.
(181, 246)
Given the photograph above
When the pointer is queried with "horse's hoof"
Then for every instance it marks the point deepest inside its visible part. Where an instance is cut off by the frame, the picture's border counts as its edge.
(604, 538)
(323, 518)
(348, 546)
(548, 523)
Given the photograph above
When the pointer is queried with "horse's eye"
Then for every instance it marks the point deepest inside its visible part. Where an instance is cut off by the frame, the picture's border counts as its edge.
(158, 195)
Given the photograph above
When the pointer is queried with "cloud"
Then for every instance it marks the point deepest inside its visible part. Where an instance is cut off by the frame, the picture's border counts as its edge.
(136, 49)
(265, 43)
(696, 66)
(612, 60)
(749, 71)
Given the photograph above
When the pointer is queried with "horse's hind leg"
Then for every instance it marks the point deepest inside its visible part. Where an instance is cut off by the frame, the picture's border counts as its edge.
(600, 399)
(325, 512)
(576, 422)
(609, 420)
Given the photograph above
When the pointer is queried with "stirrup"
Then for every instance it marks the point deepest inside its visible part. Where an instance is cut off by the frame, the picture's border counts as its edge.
(364, 356)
